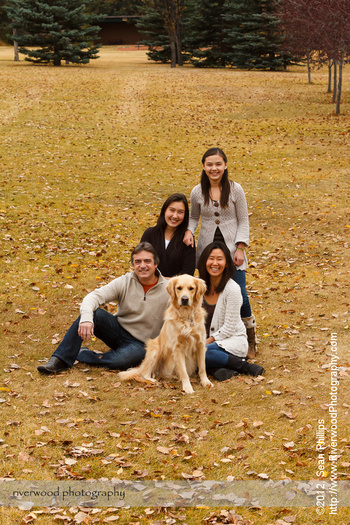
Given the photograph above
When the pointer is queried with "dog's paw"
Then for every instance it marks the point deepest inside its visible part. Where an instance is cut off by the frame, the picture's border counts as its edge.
(123, 375)
(207, 384)
(188, 389)
(150, 379)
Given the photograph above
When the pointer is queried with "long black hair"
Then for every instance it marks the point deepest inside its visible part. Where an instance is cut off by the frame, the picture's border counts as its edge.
(225, 183)
(181, 229)
(228, 271)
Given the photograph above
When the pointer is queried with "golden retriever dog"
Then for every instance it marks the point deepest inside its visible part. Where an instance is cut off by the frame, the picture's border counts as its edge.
(180, 347)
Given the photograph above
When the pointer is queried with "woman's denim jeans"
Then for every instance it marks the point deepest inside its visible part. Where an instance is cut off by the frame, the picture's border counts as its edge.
(239, 278)
(215, 357)
(126, 351)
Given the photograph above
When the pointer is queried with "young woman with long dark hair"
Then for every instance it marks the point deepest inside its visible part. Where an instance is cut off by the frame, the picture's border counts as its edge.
(227, 344)
(166, 237)
(222, 207)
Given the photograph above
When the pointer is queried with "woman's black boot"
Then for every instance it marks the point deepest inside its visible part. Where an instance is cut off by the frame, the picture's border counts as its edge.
(243, 367)
(222, 374)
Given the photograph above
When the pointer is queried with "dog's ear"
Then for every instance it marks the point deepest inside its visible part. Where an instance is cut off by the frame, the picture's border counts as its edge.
(170, 287)
(201, 288)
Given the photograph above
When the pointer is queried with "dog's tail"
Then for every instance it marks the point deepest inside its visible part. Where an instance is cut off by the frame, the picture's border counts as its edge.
(132, 373)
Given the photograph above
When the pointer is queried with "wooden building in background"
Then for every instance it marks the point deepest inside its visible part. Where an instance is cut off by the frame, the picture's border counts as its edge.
(119, 30)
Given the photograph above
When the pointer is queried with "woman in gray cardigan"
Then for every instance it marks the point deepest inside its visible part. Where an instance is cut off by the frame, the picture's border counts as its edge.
(227, 344)
(222, 206)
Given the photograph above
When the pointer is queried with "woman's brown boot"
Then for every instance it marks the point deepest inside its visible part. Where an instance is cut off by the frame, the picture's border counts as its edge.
(250, 325)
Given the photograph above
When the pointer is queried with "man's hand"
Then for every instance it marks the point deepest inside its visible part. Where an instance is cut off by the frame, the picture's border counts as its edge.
(86, 330)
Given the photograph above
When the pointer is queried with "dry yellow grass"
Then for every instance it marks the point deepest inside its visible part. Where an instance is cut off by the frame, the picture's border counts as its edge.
(88, 154)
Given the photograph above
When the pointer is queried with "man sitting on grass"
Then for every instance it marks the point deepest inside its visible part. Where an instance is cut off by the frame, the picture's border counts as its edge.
(142, 299)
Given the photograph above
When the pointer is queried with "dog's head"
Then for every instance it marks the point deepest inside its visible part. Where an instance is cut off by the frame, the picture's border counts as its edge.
(186, 290)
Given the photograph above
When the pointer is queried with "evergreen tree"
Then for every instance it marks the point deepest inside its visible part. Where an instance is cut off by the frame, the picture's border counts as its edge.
(115, 7)
(252, 34)
(156, 36)
(205, 32)
(58, 29)
(162, 22)
(4, 23)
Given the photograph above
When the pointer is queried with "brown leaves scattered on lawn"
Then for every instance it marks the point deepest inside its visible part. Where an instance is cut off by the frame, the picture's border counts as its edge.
(181, 438)
(24, 456)
(140, 473)
(84, 451)
(53, 240)
(196, 474)
(226, 516)
(289, 445)
(288, 415)
(55, 339)
(263, 475)
(69, 384)
(164, 450)
(287, 520)
(42, 430)
(65, 472)
(81, 517)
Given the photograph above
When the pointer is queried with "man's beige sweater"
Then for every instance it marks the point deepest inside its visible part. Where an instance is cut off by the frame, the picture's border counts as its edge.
(140, 313)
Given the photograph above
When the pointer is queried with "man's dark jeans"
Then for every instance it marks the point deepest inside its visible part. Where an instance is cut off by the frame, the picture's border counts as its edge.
(126, 351)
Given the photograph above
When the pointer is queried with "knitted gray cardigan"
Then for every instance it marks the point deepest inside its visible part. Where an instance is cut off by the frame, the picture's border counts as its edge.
(227, 327)
(233, 221)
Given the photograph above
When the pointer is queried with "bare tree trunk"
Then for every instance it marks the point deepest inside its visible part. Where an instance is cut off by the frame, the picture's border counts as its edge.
(172, 11)
(340, 81)
(334, 80)
(173, 51)
(15, 46)
(178, 38)
(180, 59)
(308, 68)
(329, 76)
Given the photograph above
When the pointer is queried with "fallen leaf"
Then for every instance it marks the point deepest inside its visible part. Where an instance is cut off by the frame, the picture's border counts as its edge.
(263, 476)
(23, 456)
(164, 450)
(71, 385)
(70, 461)
(289, 415)
(288, 445)
(81, 517)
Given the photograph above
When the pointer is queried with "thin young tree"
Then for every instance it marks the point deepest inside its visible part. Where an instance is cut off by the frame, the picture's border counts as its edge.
(337, 39)
(299, 28)
(319, 29)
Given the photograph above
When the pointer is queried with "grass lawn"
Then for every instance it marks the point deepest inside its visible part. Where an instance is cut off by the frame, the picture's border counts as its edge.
(88, 155)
